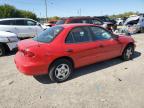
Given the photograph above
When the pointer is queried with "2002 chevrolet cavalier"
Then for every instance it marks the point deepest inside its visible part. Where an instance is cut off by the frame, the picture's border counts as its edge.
(58, 50)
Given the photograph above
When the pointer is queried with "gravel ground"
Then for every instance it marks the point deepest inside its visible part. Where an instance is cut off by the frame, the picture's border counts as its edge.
(110, 84)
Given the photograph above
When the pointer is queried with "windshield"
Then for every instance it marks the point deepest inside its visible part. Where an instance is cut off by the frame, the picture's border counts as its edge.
(60, 22)
(49, 34)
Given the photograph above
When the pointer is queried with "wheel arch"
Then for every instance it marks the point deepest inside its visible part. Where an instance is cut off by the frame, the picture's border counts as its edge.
(130, 43)
(5, 46)
(63, 57)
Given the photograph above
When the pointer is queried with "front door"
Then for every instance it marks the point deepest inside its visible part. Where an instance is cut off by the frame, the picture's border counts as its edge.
(110, 47)
(82, 49)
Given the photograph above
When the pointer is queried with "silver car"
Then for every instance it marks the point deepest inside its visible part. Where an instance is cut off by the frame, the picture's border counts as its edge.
(8, 42)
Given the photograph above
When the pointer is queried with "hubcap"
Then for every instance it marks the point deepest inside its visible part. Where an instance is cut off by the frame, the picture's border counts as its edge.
(62, 71)
(129, 52)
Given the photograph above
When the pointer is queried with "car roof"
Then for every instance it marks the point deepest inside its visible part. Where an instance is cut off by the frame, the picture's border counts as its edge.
(78, 17)
(15, 19)
(76, 25)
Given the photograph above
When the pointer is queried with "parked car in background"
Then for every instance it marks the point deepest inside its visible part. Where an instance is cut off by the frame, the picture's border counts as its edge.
(108, 23)
(88, 20)
(58, 50)
(22, 27)
(135, 24)
(8, 42)
(51, 23)
(119, 21)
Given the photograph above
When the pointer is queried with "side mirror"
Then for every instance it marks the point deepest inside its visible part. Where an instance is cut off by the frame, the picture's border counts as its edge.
(38, 24)
(115, 36)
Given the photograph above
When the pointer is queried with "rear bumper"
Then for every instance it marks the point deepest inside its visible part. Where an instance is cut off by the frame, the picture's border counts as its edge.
(29, 68)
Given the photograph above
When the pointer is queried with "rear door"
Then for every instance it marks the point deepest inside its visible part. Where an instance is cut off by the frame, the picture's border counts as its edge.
(110, 47)
(79, 44)
(22, 29)
(8, 25)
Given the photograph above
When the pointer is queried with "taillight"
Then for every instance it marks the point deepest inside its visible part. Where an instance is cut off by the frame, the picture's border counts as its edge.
(28, 53)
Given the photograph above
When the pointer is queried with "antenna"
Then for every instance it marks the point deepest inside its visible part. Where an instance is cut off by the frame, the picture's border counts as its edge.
(46, 9)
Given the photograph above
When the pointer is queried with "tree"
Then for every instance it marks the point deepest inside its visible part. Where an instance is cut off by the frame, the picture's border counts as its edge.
(54, 18)
(8, 11)
(124, 15)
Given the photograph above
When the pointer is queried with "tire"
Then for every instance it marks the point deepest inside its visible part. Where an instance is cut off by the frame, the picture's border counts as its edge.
(120, 24)
(128, 53)
(142, 30)
(2, 50)
(60, 70)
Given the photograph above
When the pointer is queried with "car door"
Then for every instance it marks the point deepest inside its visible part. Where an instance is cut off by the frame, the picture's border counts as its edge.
(22, 29)
(8, 25)
(79, 44)
(34, 26)
(110, 47)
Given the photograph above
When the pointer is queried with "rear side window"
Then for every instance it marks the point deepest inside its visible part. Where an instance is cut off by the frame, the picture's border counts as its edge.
(75, 21)
(49, 34)
(85, 21)
(20, 22)
(60, 22)
(80, 21)
(7, 22)
(79, 34)
(70, 38)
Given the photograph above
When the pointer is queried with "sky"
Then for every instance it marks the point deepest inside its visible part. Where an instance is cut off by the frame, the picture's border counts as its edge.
(67, 8)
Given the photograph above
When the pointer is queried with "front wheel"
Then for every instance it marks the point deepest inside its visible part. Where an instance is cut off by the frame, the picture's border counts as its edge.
(128, 53)
(142, 30)
(60, 70)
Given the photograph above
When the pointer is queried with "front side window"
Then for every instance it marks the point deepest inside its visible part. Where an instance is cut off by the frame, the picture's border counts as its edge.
(79, 34)
(30, 23)
(100, 33)
(49, 34)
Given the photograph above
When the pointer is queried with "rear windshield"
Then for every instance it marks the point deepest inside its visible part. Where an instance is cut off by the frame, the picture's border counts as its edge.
(60, 22)
(49, 34)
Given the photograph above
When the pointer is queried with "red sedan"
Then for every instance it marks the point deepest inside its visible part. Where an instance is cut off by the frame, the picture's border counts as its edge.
(58, 50)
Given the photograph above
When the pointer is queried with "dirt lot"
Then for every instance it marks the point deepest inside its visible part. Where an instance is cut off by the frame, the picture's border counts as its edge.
(110, 84)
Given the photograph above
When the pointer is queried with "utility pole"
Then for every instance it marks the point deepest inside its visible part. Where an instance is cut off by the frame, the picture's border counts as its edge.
(46, 10)
(79, 12)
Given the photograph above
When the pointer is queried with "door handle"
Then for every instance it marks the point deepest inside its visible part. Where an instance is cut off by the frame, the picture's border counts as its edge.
(69, 50)
(101, 46)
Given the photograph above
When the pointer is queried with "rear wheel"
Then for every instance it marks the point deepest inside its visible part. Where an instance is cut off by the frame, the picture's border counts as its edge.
(128, 53)
(2, 50)
(60, 70)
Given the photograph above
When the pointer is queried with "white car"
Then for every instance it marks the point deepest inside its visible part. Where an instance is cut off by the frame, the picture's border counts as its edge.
(135, 24)
(22, 27)
(8, 42)
(119, 21)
